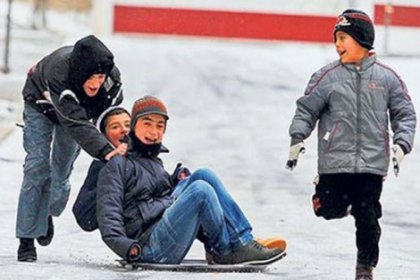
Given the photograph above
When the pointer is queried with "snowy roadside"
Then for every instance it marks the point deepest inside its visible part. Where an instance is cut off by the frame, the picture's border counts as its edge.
(27, 46)
(230, 106)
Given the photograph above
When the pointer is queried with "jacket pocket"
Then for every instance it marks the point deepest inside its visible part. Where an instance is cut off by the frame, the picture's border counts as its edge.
(329, 137)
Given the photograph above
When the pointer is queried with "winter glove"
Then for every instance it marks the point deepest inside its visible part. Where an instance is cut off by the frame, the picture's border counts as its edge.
(295, 151)
(134, 253)
(397, 157)
(47, 109)
(180, 172)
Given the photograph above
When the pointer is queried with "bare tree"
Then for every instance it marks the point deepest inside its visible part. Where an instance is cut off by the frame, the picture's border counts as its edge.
(39, 19)
(5, 69)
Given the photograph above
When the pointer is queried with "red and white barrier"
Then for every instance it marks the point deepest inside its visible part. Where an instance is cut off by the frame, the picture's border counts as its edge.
(298, 20)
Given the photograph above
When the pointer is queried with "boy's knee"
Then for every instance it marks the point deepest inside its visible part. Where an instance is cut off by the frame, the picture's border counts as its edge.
(202, 172)
(328, 212)
(202, 190)
(38, 166)
(366, 213)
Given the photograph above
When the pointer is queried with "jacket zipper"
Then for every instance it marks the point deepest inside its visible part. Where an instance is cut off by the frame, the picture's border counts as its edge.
(358, 121)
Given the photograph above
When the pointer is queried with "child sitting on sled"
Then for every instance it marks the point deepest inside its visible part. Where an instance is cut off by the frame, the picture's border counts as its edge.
(114, 123)
(141, 217)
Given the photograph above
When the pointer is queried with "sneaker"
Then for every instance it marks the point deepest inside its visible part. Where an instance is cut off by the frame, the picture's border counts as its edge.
(270, 243)
(252, 254)
(273, 243)
(26, 251)
(364, 272)
(46, 240)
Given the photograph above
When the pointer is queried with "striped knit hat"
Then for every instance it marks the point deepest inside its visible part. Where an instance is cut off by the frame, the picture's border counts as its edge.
(145, 106)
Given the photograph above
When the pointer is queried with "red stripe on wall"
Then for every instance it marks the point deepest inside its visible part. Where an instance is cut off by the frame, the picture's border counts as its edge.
(399, 16)
(151, 20)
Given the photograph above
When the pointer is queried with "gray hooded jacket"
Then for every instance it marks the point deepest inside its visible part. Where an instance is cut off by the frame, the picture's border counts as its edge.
(354, 105)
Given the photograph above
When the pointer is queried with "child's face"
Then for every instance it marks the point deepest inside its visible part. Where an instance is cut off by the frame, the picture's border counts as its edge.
(150, 129)
(117, 126)
(93, 84)
(348, 49)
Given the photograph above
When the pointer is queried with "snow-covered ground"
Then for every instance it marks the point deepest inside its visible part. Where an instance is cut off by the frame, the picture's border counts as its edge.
(230, 104)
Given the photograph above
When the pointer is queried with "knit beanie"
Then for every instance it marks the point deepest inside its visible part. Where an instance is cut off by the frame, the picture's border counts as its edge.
(358, 25)
(145, 106)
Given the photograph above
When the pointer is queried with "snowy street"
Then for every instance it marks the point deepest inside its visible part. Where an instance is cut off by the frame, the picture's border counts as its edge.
(230, 104)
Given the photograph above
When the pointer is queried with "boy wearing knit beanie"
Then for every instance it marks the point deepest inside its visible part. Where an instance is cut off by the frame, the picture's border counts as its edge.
(352, 101)
(145, 215)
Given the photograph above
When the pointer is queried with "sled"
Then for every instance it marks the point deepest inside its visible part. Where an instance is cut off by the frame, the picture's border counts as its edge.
(196, 265)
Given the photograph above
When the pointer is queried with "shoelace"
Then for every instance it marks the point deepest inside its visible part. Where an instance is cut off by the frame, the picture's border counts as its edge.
(257, 245)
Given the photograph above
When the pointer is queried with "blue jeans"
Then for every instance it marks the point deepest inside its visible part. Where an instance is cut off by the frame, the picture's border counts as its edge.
(219, 223)
(50, 154)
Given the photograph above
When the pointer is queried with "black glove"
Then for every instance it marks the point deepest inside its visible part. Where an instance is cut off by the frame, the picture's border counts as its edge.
(134, 253)
(179, 173)
(47, 109)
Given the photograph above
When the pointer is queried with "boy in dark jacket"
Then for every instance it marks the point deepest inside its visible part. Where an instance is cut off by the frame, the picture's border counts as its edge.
(141, 218)
(114, 123)
(353, 99)
(63, 93)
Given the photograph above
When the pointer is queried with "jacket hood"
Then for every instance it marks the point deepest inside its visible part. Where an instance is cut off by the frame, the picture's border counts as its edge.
(89, 56)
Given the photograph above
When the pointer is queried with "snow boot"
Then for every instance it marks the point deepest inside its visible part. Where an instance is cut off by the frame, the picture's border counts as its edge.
(364, 272)
(46, 240)
(252, 254)
(273, 243)
(26, 251)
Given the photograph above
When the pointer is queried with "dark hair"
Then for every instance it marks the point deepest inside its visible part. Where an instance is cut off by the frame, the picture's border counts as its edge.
(112, 111)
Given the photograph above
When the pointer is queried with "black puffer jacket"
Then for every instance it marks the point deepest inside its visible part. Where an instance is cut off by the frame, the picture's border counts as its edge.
(62, 74)
(133, 193)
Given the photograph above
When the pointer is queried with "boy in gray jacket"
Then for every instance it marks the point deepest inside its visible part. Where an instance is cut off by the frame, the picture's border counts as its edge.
(351, 100)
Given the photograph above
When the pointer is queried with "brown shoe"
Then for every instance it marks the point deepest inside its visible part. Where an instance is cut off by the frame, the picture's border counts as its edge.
(364, 272)
(273, 243)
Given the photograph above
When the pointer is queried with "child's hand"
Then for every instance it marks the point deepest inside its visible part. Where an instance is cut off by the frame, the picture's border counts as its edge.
(397, 158)
(134, 252)
(120, 150)
(180, 173)
(295, 151)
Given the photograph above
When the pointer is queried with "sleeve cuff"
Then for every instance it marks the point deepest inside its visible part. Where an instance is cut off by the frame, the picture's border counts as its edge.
(295, 139)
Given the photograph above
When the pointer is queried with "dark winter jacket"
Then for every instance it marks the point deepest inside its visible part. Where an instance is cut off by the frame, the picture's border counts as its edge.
(133, 193)
(54, 87)
(84, 208)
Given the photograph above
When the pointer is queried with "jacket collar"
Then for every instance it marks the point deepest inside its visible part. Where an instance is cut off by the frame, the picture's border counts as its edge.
(366, 63)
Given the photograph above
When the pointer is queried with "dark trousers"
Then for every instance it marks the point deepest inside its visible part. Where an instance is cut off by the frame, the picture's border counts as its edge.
(336, 195)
